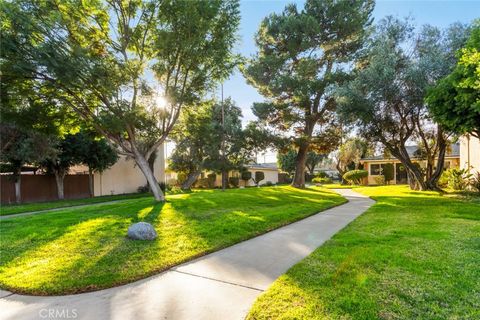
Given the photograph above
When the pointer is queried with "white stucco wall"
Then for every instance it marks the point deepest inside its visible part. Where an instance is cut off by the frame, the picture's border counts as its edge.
(270, 175)
(470, 153)
(125, 177)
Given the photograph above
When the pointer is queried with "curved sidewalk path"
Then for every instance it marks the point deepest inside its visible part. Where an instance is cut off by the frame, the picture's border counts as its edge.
(222, 285)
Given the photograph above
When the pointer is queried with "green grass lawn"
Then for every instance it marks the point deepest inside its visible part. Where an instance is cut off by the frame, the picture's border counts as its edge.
(86, 249)
(29, 207)
(340, 186)
(413, 255)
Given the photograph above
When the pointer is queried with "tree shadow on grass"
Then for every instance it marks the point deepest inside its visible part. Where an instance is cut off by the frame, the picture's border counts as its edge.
(151, 213)
(192, 225)
(25, 240)
(14, 245)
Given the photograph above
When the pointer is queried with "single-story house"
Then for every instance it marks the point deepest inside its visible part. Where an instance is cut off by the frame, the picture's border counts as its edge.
(374, 164)
(124, 176)
(270, 171)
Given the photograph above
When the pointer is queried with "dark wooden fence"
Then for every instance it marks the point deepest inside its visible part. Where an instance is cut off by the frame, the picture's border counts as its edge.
(37, 188)
(284, 178)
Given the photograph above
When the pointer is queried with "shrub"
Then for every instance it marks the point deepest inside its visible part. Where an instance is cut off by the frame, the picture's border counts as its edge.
(165, 187)
(259, 176)
(177, 190)
(475, 181)
(234, 181)
(458, 179)
(202, 183)
(181, 177)
(269, 183)
(387, 171)
(143, 189)
(246, 176)
(355, 176)
(321, 174)
(443, 180)
(322, 180)
(380, 180)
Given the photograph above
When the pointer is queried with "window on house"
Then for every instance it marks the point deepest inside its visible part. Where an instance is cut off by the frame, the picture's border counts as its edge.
(375, 169)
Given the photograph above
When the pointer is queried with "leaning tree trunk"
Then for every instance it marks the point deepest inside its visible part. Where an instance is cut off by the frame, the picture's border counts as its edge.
(412, 180)
(151, 161)
(191, 178)
(432, 181)
(152, 181)
(299, 178)
(415, 176)
(59, 178)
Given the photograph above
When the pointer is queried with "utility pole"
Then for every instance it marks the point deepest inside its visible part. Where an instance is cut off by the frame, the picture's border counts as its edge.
(224, 173)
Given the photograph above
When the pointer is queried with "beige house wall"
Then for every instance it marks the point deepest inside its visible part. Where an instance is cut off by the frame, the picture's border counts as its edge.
(470, 153)
(270, 175)
(454, 162)
(125, 176)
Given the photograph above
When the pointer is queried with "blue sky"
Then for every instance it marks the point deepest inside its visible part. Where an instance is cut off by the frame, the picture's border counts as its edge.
(437, 13)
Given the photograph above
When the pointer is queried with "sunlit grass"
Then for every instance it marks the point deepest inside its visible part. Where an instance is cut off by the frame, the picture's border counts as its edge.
(340, 186)
(80, 250)
(413, 255)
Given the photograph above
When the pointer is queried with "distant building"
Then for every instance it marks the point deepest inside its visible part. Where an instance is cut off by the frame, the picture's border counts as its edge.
(374, 164)
(270, 170)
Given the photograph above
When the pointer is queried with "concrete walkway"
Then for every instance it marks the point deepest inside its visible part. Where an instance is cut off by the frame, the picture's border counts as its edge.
(222, 285)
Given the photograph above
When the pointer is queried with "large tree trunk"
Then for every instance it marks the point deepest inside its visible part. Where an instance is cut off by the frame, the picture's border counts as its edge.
(224, 179)
(341, 172)
(191, 178)
(412, 180)
(432, 181)
(59, 178)
(90, 182)
(310, 169)
(415, 175)
(152, 181)
(151, 161)
(299, 178)
(18, 186)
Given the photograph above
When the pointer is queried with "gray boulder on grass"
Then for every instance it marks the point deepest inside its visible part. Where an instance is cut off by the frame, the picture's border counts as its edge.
(141, 231)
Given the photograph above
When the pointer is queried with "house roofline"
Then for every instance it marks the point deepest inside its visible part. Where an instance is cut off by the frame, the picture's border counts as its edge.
(262, 168)
(414, 158)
